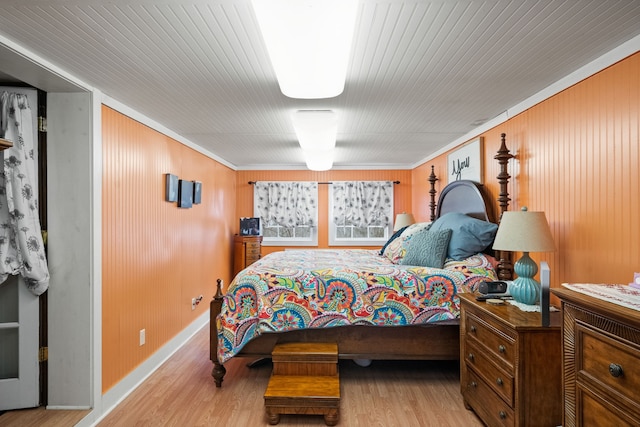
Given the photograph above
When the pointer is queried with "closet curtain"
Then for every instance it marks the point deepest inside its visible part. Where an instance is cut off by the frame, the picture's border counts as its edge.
(362, 203)
(21, 245)
(287, 204)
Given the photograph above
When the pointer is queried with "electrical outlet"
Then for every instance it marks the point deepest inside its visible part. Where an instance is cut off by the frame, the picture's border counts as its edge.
(194, 302)
(142, 336)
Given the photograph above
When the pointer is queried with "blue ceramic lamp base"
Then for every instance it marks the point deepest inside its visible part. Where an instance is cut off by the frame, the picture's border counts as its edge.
(525, 288)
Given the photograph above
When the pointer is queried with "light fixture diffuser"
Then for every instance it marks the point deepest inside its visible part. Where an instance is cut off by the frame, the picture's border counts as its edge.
(309, 42)
(319, 160)
(315, 129)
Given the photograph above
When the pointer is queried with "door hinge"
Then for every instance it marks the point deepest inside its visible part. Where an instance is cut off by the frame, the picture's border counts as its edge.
(42, 124)
(43, 354)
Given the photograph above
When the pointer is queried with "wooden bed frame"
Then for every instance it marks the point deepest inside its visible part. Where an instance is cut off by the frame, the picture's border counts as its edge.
(439, 341)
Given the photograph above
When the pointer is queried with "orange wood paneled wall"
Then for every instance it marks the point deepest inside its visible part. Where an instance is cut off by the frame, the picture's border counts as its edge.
(402, 192)
(577, 159)
(156, 256)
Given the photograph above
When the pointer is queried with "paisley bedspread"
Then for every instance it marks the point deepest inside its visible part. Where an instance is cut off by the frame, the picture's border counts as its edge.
(300, 289)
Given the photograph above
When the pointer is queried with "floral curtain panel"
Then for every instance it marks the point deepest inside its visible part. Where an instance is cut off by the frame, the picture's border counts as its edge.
(287, 204)
(21, 246)
(362, 203)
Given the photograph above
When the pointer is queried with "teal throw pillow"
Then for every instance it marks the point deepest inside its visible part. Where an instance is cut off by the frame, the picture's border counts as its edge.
(428, 248)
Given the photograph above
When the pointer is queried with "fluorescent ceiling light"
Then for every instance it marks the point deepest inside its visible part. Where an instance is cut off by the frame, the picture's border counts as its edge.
(319, 160)
(309, 42)
(316, 129)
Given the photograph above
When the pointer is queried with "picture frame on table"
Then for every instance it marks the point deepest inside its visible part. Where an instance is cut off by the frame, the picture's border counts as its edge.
(465, 162)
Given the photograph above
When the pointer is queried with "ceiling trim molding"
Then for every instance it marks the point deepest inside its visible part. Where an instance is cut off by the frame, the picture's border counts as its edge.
(139, 117)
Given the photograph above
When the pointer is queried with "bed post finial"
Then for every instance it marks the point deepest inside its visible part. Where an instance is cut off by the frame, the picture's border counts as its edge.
(432, 205)
(503, 158)
(505, 267)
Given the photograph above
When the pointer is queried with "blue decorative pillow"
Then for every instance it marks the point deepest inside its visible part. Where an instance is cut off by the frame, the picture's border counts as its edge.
(392, 238)
(469, 235)
(428, 248)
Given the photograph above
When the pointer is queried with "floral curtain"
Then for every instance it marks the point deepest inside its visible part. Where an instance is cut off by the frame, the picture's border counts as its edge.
(362, 203)
(21, 246)
(287, 204)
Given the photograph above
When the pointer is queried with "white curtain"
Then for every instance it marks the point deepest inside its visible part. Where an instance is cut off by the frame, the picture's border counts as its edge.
(362, 203)
(287, 204)
(21, 245)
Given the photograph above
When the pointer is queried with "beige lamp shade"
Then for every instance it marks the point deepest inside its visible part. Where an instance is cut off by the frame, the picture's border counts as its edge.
(524, 231)
(402, 220)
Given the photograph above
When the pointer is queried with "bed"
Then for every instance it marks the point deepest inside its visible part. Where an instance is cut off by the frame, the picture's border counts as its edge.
(379, 304)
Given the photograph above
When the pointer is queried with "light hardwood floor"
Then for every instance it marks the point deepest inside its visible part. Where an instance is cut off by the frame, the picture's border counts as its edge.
(182, 393)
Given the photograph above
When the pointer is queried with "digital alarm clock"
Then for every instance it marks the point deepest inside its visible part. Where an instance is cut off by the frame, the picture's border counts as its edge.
(494, 288)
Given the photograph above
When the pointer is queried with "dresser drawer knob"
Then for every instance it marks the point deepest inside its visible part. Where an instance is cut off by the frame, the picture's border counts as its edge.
(471, 357)
(473, 384)
(503, 415)
(499, 381)
(473, 329)
(502, 348)
(615, 370)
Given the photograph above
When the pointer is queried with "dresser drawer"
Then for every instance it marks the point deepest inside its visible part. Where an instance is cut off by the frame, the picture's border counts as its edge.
(495, 340)
(252, 250)
(608, 361)
(484, 365)
(253, 246)
(594, 412)
(491, 409)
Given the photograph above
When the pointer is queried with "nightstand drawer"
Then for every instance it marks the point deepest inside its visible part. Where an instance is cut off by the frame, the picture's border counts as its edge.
(483, 364)
(491, 409)
(608, 361)
(253, 246)
(252, 250)
(494, 340)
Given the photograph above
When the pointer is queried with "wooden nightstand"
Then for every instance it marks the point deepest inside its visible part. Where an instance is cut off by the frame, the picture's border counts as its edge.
(601, 361)
(246, 251)
(510, 365)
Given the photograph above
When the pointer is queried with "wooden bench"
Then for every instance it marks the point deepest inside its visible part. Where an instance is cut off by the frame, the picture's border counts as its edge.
(305, 380)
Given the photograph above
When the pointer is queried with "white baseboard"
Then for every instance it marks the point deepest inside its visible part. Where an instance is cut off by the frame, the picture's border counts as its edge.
(120, 391)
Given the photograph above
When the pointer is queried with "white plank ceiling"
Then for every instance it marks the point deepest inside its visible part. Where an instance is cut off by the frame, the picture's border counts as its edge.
(422, 73)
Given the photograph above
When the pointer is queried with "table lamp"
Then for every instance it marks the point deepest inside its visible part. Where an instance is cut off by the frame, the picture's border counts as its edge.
(402, 220)
(525, 232)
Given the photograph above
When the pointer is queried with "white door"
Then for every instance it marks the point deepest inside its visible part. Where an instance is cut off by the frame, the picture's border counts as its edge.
(19, 326)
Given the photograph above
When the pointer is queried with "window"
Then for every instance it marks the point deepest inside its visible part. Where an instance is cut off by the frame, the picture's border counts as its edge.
(360, 213)
(288, 212)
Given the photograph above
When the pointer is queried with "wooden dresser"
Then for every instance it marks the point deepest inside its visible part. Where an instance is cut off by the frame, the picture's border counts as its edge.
(246, 251)
(601, 361)
(510, 365)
